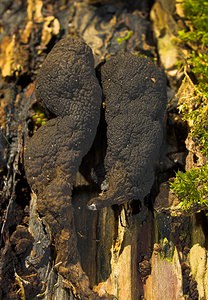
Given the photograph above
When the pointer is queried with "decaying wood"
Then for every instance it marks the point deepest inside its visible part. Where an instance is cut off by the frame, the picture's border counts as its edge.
(164, 270)
(115, 244)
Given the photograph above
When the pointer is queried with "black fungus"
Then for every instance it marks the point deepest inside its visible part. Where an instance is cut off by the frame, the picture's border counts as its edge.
(67, 86)
(135, 100)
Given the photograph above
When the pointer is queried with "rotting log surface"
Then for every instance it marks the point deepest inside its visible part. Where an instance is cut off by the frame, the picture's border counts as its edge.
(109, 241)
(67, 87)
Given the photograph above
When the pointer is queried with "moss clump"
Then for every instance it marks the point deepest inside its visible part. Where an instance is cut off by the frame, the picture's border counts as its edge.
(200, 127)
(196, 37)
(192, 187)
(39, 118)
(196, 12)
(193, 104)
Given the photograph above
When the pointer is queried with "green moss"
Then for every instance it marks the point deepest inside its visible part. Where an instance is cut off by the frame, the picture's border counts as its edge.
(191, 187)
(199, 129)
(194, 109)
(126, 36)
(39, 118)
(196, 13)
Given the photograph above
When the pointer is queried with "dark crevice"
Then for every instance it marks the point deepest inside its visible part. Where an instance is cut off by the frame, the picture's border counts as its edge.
(24, 80)
(130, 5)
(22, 189)
(92, 166)
(135, 207)
(202, 221)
